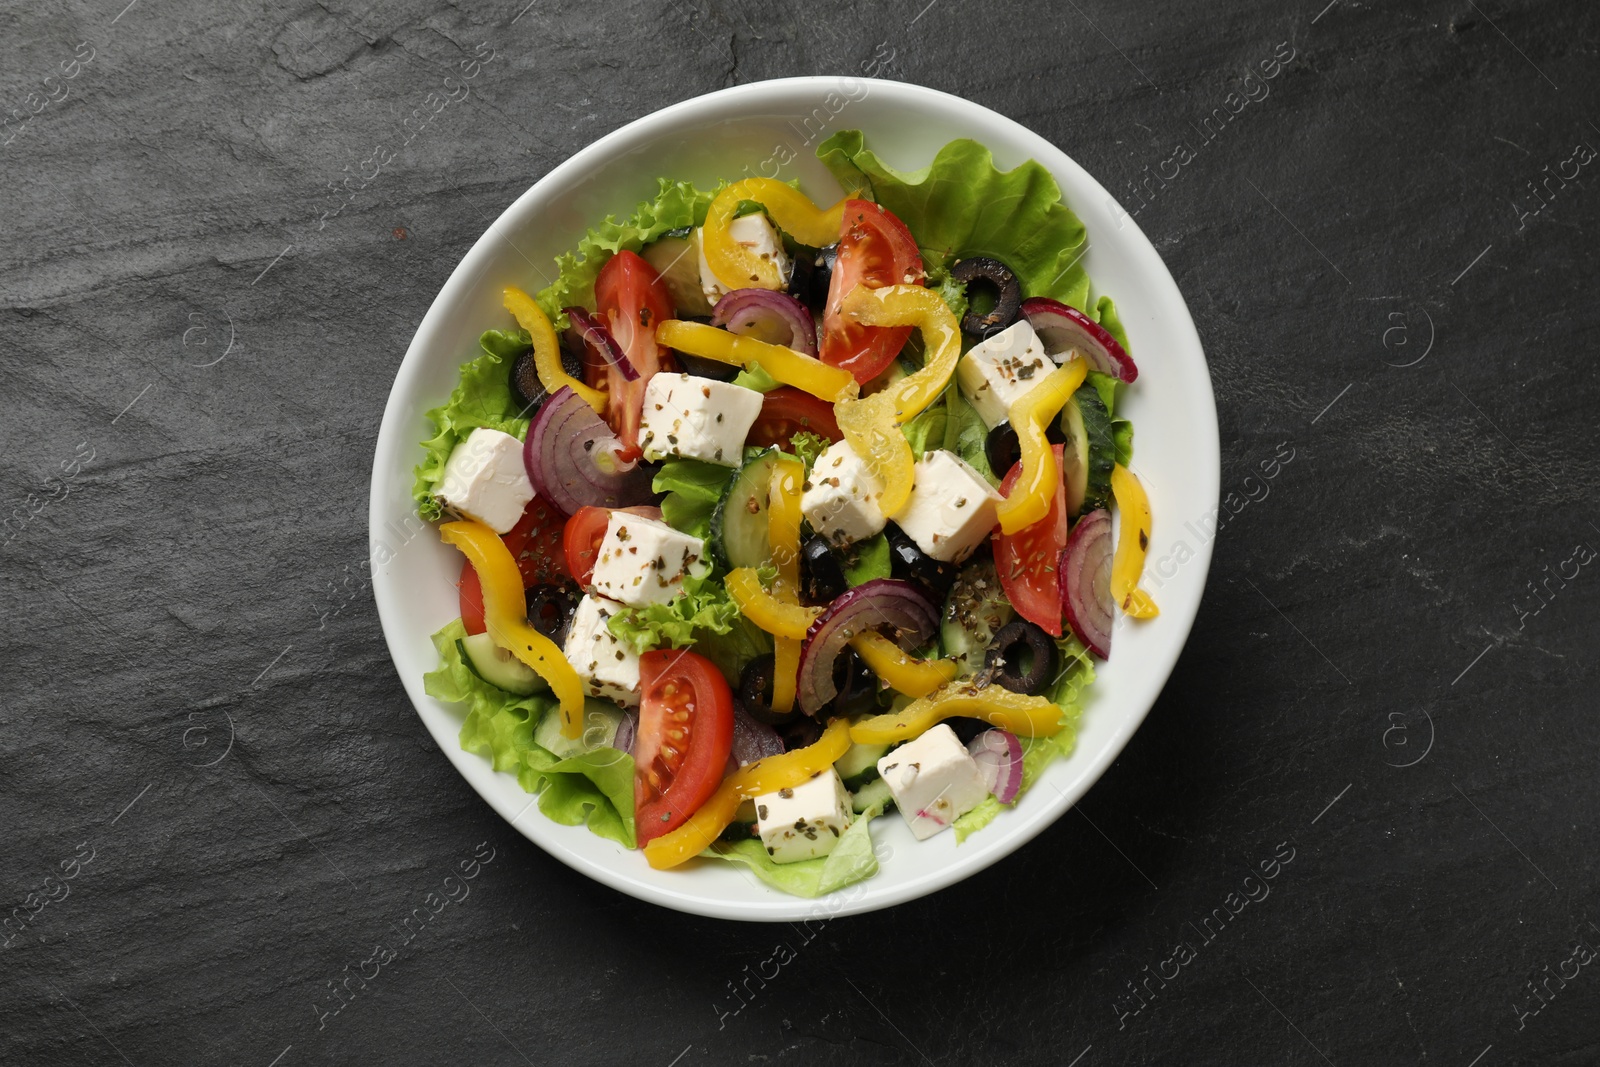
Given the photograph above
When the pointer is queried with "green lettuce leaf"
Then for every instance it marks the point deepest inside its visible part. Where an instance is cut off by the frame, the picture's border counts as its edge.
(1122, 440)
(507, 344)
(703, 617)
(1076, 675)
(952, 292)
(850, 861)
(733, 651)
(1109, 390)
(693, 488)
(483, 398)
(807, 446)
(965, 433)
(675, 205)
(952, 423)
(757, 378)
(704, 607)
(962, 205)
(925, 431)
(867, 560)
(1105, 313)
(593, 790)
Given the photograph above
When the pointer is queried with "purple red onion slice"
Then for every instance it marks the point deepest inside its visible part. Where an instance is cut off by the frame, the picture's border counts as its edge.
(572, 458)
(998, 755)
(901, 608)
(1086, 569)
(591, 331)
(773, 317)
(1061, 327)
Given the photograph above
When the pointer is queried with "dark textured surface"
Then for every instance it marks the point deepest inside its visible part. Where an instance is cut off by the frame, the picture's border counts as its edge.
(1364, 237)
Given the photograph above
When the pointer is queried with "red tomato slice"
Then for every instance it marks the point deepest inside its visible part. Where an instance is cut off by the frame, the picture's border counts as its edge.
(596, 371)
(685, 737)
(785, 411)
(471, 599)
(632, 299)
(875, 250)
(1029, 560)
(581, 541)
(536, 545)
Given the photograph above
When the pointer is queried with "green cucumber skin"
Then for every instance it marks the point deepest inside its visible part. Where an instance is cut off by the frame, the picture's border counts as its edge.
(600, 721)
(514, 676)
(1075, 458)
(871, 795)
(975, 609)
(858, 760)
(1102, 447)
(739, 536)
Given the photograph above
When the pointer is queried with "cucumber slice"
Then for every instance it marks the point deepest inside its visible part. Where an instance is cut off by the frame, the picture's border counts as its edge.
(871, 795)
(1092, 451)
(499, 667)
(1075, 458)
(600, 721)
(677, 260)
(739, 535)
(973, 613)
(858, 760)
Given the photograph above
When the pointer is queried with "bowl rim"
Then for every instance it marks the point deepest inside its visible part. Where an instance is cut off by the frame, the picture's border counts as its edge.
(394, 434)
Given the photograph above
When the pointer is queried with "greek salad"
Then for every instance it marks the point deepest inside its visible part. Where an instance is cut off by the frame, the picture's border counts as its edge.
(777, 514)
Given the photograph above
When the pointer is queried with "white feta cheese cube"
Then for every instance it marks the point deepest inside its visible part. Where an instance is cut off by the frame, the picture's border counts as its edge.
(804, 822)
(644, 561)
(609, 667)
(997, 372)
(756, 234)
(934, 780)
(698, 418)
(484, 480)
(840, 498)
(951, 509)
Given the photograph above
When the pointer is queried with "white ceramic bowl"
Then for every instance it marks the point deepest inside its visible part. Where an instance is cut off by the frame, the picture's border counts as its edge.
(750, 130)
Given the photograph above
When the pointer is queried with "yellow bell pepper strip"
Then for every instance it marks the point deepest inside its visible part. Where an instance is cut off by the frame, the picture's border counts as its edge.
(736, 266)
(783, 518)
(902, 672)
(1035, 490)
(1023, 715)
(1133, 542)
(766, 610)
(785, 669)
(546, 348)
(505, 617)
(784, 771)
(872, 424)
(785, 364)
(783, 533)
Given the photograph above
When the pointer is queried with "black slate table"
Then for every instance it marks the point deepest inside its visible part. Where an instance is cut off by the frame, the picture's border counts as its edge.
(1388, 701)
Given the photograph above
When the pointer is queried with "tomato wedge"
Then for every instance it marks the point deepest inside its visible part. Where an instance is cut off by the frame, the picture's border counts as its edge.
(536, 544)
(581, 541)
(786, 411)
(471, 600)
(875, 250)
(684, 739)
(1029, 560)
(632, 299)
